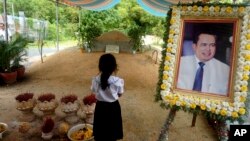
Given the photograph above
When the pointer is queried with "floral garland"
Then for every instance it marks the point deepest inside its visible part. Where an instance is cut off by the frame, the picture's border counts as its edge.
(218, 109)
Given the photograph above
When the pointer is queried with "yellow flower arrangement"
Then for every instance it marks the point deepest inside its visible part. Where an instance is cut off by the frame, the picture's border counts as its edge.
(184, 8)
(229, 9)
(217, 8)
(221, 108)
(223, 112)
(170, 40)
(165, 76)
(246, 68)
(195, 8)
(244, 88)
(193, 106)
(235, 115)
(245, 77)
(241, 9)
(247, 47)
(168, 58)
(203, 107)
(242, 111)
(205, 8)
(163, 86)
(248, 36)
(247, 57)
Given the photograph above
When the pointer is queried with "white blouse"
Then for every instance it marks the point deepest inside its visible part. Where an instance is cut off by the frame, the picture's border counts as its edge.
(110, 94)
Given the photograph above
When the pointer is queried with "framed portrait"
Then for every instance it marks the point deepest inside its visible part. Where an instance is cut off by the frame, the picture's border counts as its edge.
(212, 42)
(206, 60)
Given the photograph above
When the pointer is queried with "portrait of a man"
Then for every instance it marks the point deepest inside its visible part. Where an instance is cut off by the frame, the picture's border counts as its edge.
(205, 59)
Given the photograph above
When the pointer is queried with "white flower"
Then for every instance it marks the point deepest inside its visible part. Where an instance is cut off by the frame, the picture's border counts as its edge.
(237, 87)
(211, 9)
(178, 103)
(230, 109)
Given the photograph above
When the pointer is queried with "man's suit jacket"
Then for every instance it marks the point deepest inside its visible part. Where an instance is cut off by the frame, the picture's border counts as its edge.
(215, 76)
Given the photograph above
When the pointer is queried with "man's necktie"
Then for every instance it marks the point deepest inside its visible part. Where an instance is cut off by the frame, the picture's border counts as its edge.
(198, 77)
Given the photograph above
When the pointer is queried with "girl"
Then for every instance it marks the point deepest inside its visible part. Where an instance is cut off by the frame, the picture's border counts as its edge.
(107, 88)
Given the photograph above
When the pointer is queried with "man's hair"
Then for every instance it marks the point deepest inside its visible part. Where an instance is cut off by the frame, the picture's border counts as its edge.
(208, 31)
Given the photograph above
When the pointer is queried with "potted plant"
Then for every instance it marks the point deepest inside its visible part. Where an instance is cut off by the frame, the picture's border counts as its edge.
(47, 103)
(8, 52)
(47, 128)
(89, 102)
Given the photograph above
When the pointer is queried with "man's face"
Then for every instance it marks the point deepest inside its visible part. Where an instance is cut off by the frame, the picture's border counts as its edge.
(205, 47)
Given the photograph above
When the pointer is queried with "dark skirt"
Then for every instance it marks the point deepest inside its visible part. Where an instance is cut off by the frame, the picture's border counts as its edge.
(107, 121)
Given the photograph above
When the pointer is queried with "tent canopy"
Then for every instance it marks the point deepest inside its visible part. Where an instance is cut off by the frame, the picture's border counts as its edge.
(155, 7)
(95, 5)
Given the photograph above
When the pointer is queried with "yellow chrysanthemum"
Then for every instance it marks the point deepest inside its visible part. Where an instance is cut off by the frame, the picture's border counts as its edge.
(205, 8)
(242, 111)
(246, 68)
(223, 112)
(169, 49)
(172, 21)
(242, 99)
(172, 102)
(168, 58)
(183, 103)
(229, 9)
(193, 106)
(195, 8)
(248, 47)
(216, 8)
(166, 68)
(213, 110)
(171, 31)
(249, 26)
(241, 9)
(170, 40)
(184, 8)
(203, 107)
(163, 86)
(235, 114)
(247, 57)
(248, 36)
(165, 77)
(168, 97)
(245, 77)
(243, 88)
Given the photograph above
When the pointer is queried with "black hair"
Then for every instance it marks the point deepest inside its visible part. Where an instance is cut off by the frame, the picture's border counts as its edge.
(107, 65)
(205, 30)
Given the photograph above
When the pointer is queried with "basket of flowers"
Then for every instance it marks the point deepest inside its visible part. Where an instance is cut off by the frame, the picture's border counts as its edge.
(47, 103)
(25, 101)
(69, 103)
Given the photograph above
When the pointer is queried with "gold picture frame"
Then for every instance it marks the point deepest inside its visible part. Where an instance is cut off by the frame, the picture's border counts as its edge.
(229, 104)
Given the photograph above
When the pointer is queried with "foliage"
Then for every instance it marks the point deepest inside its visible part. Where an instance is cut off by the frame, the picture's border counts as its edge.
(11, 53)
